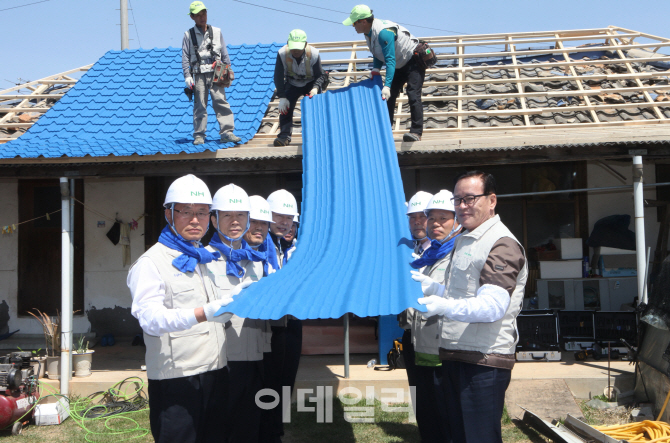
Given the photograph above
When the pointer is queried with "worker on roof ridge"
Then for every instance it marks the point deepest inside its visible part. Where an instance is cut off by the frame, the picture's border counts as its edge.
(286, 332)
(238, 266)
(394, 46)
(175, 300)
(476, 308)
(202, 52)
(298, 72)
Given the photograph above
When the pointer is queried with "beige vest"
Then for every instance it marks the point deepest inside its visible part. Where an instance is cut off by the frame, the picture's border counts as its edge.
(405, 42)
(298, 75)
(426, 332)
(202, 47)
(193, 351)
(470, 253)
(245, 337)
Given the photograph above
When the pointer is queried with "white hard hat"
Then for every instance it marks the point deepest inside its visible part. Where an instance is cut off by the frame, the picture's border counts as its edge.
(188, 189)
(296, 219)
(260, 209)
(283, 202)
(418, 202)
(231, 198)
(441, 200)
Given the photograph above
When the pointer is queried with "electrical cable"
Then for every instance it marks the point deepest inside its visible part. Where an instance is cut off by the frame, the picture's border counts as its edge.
(135, 23)
(286, 12)
(21, 6)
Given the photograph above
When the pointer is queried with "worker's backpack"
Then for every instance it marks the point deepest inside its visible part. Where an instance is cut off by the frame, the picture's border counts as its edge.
(423, 54)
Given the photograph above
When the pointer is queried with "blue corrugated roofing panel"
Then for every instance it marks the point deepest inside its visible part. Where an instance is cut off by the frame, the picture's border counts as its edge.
(352, 255)
(129, 96)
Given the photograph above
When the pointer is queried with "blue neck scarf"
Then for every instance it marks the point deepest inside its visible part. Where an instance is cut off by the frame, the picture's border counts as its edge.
(190, 256)
(271, 252)
(437, 251)
(286, 251)
(234, 256)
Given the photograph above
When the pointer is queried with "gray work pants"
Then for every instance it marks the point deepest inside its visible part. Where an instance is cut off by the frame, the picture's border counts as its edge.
(204, 87)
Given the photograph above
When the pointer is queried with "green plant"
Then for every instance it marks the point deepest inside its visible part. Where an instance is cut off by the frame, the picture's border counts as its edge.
(81, 348)
(51, 327)
(36, 353)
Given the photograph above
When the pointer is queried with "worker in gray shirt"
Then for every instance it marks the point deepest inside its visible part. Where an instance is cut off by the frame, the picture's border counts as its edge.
(201, 48)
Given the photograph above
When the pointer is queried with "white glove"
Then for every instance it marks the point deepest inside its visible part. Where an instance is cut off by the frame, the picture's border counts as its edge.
(283, 106)
(374, 72)
(434, 305)
(386, 93)
(213, 307)
(237, 289)
(189, 82)
(428, 285)
(313, 92)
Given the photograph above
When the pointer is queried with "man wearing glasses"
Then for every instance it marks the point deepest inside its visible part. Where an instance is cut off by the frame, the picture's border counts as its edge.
(393, 45)
(175, 301)
(477, 308)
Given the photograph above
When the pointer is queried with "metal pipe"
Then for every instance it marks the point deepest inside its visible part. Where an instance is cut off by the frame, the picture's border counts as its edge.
(638, 199)
(66, 289)
(570, 191)
(71, 311)
(612, 170)
(346, 345)
(124, 24)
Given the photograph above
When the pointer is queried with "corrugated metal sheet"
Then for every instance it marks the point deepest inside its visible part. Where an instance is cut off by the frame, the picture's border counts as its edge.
(352, 254)
(132, 102)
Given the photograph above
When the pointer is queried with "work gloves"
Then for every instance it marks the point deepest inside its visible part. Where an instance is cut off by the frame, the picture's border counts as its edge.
(313, 92)
(434, 305)
(213, 307)
(374, 72)
(189, 82)
(386, 93)
(428, 285)
(284, 104)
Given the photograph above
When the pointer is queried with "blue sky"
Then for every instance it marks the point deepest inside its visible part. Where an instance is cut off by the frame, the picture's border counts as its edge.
(57, 35)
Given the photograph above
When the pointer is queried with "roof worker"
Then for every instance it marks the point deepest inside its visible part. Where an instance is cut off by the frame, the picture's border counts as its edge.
(298, 72)
(175, 301)
(442, 230)
(238, 266)
(393, 45)
(286, 334)
(202, 49)
(476, 309)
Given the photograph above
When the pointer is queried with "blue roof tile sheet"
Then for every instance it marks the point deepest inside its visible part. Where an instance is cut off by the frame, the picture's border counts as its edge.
(131, 96)
(352, 255)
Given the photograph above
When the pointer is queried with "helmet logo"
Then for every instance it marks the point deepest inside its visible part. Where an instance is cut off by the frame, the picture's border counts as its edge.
(197, 194)
(416, 203)
(288, 205)
(234, 200)
(263, 211)
(438, 201)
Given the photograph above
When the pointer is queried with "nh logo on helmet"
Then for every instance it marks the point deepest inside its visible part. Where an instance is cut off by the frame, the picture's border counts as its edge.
(263, 211)
(197, 194)
(288, 205)
(416, 203)
(235, 200)
(438, 201)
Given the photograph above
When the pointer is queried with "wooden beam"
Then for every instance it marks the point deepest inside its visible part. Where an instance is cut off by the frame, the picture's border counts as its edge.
(522, 95)
(566, 56)
(30, 97)
(18, 109)
(37, 82)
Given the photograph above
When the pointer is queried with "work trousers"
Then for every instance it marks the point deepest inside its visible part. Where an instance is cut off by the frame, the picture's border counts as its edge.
(293, 93)
(293, 349)
(429, 401)
(204, 88)
(411, 74)
(475, 397)
(272, 428)
(246, 379)
(189, 409)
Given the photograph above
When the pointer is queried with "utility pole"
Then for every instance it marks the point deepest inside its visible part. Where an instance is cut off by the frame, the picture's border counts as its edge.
(124, 24)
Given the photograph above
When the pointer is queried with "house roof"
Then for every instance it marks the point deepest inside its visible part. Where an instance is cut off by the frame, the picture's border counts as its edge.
(132, 102)
(351, 181)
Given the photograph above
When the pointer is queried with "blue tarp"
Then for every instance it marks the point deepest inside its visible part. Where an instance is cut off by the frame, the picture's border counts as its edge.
(352, 255)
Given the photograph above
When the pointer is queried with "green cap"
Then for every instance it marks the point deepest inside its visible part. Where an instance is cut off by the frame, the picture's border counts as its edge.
(196, 7)
(359, 12)
(297, 39)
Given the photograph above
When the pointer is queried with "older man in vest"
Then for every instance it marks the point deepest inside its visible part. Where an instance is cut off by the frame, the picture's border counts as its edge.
(477, 308)
(298, 72)
(201, 48)
(238, 266)
(393, 45)
(175, 300)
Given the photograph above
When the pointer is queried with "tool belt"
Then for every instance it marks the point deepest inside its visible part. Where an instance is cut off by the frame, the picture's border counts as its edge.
(223, 74)
(424, 56)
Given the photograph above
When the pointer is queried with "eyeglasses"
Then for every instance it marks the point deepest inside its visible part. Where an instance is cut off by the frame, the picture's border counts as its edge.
(469, 200)
(190, 214)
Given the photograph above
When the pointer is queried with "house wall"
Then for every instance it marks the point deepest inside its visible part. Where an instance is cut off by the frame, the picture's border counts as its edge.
(604, 203)
(106, 296)
(9, 245)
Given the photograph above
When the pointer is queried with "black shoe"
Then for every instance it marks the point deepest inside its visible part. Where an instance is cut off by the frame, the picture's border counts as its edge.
(411, 137)
(282, 141)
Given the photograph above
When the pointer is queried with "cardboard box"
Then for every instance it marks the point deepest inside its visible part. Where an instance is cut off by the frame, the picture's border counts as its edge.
(561, 269)
(51, 413)
(571, 248)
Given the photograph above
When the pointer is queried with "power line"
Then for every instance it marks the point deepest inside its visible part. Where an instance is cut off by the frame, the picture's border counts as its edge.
(27, 4)
(286, 12)
(135, 23)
